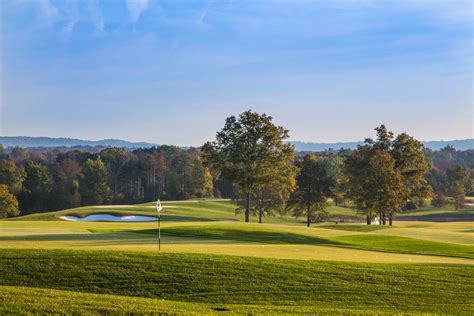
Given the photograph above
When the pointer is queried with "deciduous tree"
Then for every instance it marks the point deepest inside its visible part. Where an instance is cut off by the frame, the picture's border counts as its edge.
(458, 183)
(380, 165)
(11, 176)
(314, 184)
(8, 203)
(249, 151)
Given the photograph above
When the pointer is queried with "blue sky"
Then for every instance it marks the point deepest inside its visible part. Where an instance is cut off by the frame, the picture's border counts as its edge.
(172, 71)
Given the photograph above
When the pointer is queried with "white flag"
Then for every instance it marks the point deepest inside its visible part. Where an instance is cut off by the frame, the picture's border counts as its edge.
(158, 206)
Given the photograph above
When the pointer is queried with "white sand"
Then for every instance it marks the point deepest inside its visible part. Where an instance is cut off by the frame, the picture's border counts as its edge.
(110, 218)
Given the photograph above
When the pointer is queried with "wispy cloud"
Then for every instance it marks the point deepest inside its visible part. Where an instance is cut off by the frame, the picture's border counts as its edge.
(204, 11)
(47, 9)
(72, 17)
(96, 15)
(49, 14)
(136, 8)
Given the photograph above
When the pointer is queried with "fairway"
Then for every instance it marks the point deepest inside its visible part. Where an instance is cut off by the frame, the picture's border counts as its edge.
(211, 261)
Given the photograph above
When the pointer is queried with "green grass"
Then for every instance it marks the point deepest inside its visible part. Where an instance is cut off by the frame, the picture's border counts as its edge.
(355, 228)
(405, 245)
(360, 241)
(247, 234)
(225, 280)
(182, 211)
(224, 210)
(36, 301)
(212, 262)
(434, 214)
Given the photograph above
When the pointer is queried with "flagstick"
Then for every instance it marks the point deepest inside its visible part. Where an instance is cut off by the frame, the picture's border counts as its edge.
(158, 209)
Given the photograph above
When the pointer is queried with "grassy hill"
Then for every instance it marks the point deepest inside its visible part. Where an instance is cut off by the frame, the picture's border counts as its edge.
(186, 211)
(211, 261)
(220, 282)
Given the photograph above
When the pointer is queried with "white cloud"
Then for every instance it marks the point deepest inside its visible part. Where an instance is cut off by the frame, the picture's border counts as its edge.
(136, 8)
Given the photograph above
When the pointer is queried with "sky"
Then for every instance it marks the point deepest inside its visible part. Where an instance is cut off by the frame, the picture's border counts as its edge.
(170, 72)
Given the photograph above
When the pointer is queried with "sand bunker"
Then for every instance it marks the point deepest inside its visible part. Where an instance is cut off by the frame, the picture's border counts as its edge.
(110, 218)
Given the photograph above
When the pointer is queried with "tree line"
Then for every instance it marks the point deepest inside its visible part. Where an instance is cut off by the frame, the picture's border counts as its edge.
(250, 162)
(35, 181)
(380, 178)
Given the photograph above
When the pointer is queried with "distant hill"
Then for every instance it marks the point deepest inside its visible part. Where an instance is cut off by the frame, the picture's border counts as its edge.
(38, 142)
(460, 144)
(26, 141)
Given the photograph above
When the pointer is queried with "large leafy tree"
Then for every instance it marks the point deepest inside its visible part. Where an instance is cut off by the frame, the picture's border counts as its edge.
(395, 166)
(386, 186)
(314, 184)
(8, 203)
(413, 166)
(249, 151)
(93, 183)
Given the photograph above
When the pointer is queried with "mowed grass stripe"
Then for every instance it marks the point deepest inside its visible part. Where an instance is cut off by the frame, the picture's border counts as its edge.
(27, 300)
(213, 279)
(360, 241)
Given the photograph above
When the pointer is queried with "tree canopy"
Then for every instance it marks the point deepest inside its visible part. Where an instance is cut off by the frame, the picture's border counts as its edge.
(314, 184)
(8, 203)
(387, 174)
(249, 151)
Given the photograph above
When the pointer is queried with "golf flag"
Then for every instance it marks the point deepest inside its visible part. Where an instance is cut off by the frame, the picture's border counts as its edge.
(158, 206)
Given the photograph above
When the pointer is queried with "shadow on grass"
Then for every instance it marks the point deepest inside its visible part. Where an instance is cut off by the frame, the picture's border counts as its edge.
(459, 216)
(355, 228)
(119, 235)
(267, 237)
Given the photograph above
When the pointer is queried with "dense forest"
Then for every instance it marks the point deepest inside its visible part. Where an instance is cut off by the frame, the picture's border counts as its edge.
(51, 179)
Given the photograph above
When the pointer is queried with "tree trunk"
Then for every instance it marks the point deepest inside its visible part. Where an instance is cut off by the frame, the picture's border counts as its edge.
(247, 207)
(260, 213)
(369, 220)
(308, 223)
(380, 218)
(390, 219)
(384, 219)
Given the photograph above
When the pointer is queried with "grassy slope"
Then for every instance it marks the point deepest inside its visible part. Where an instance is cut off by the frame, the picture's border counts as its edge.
(182, 211)
(433, 214)
(218, 210)
(212, 280)
(26, 300)
(210, 226)
(360, 241)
